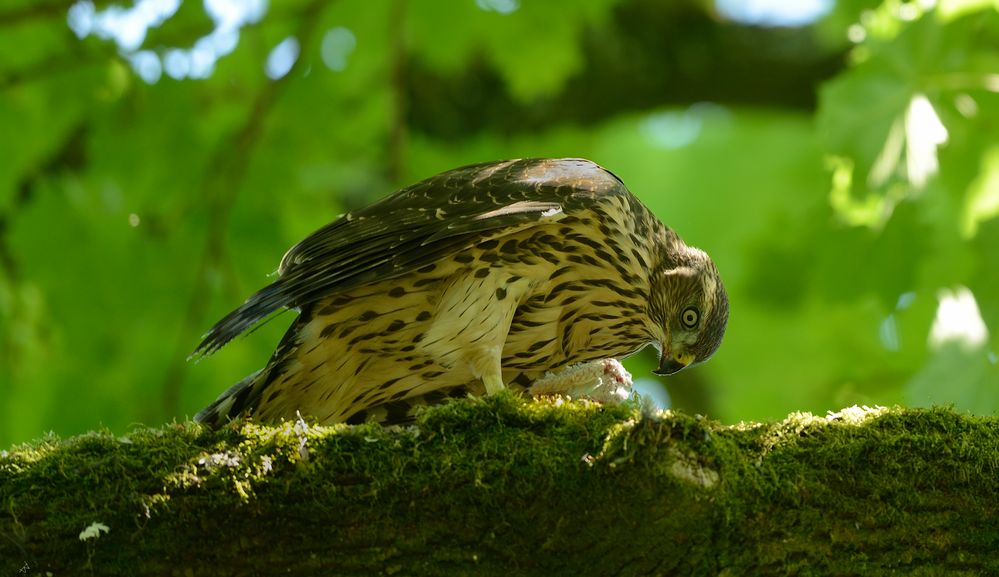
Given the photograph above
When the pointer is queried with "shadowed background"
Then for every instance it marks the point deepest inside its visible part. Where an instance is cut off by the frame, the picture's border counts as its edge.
(839, 161)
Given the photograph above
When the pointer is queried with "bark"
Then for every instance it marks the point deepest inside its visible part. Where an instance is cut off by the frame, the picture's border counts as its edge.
(510, 487)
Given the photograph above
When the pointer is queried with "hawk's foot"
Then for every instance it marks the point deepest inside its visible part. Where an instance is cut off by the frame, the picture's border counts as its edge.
(604, 381)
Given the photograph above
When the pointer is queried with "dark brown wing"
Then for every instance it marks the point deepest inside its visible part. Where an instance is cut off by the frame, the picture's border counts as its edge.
(419, 225)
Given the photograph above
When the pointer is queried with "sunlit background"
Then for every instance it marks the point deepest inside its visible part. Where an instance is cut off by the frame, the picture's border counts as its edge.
(839, 160)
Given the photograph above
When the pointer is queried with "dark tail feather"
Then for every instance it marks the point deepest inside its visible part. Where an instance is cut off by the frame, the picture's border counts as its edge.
(258, 307)
(231, 404)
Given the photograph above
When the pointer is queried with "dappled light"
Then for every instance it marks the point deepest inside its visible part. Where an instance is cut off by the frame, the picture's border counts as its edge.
(924, 134)
(282, 58)
(338, 44)
(128, 28)
(774, 12)
(670, 129)
(500, 6)
(982, 204)
(958, 321)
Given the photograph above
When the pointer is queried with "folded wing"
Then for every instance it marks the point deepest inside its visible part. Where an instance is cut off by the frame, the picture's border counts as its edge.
(420, 225)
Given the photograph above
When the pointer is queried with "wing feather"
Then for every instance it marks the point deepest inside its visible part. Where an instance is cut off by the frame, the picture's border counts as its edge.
(419, 225)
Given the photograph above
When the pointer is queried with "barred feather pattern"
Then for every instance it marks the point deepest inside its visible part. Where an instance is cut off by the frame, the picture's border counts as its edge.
(482, 277)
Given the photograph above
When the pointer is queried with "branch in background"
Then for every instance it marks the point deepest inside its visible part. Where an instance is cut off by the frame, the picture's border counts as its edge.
(35, 10)
(93, 51)
(400, 58)
(69, 157)
(220, 187)
(503, 486)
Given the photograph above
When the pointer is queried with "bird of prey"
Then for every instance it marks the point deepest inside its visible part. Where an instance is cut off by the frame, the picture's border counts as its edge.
(485, 277)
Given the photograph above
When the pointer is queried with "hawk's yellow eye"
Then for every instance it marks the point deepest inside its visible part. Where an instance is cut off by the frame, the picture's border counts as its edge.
(690, 316)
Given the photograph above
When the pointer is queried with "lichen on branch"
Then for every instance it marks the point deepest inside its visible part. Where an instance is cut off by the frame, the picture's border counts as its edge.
(503, 485)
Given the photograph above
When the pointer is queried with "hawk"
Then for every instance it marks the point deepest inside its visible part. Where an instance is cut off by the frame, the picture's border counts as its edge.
(485, 277)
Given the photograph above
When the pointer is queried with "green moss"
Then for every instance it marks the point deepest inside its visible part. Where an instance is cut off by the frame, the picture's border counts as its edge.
(482, 486)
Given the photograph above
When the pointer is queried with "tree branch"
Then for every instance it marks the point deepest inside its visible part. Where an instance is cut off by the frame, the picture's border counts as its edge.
(504, 486)
(35, 10)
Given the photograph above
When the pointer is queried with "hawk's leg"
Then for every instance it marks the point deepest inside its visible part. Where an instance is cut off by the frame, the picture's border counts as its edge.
(605, 381)
(472, 320)
(493, 384)
(486, 364)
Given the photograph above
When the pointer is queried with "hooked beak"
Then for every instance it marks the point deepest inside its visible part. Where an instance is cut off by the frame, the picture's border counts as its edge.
(669, 364)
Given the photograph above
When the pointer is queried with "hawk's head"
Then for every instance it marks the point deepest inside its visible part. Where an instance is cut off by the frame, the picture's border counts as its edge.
(690, 305)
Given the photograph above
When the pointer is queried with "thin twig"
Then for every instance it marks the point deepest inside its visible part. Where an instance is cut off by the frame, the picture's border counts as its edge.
(221, 187)
(397, 132)
(69, 156)
(33, 11)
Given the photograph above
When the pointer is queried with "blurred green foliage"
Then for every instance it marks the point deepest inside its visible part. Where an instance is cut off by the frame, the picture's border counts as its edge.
(844, 176)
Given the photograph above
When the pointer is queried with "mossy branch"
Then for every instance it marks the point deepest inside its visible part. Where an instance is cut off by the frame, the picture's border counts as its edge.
(504, 487)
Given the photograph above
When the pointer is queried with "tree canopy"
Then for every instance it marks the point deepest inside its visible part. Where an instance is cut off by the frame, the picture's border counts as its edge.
(159, 157)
